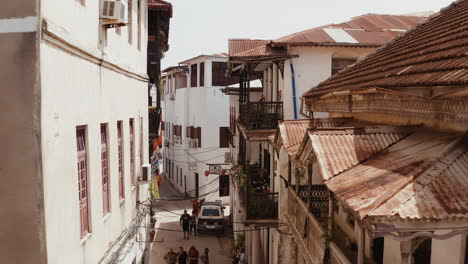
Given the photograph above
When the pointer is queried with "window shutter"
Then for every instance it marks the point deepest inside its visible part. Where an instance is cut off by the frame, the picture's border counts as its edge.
(224, 137)
(192, 132)
(198, 134)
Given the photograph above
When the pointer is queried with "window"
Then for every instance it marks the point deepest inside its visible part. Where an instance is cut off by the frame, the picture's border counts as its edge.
(223, 185)
(130, 22)
(141, 143)
(177, 174)
(210, 212)
(121, 161)
(339, 64)
(193, 75)
(224, 137)
(132, 151)
(105, 170)
(202, 74)
(197, 135)
(219, 74)
(180, 174)
(82, 163)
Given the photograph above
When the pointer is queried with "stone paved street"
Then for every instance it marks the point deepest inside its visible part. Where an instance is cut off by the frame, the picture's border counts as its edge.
(168, 214)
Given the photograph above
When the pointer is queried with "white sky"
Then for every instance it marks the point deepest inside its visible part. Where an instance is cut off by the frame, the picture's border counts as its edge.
(204, 26)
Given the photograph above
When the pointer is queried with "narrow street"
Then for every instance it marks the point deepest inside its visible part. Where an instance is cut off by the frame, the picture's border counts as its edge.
(168, 214)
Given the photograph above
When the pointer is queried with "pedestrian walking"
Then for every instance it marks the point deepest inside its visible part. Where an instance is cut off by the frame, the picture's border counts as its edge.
(193, 255)
(205, 257)
(182, 256)
(185, 223)
(193, 224)
(171, 257)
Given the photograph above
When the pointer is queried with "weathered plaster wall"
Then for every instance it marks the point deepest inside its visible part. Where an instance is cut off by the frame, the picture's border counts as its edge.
(311, 67)
(451, 250)
(391, 251)
(21, 195)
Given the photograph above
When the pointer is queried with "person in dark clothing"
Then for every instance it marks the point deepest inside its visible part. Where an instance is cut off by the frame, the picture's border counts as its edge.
(193, 224)
(193, 255)
(185, 223)
(205, 257)
(182, 256)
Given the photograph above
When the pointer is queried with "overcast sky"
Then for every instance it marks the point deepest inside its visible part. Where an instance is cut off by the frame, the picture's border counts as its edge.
(204, 26)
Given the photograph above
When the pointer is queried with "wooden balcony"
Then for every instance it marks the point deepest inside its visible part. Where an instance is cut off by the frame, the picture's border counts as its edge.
(261, 115)
(309, 233)
(260, 204)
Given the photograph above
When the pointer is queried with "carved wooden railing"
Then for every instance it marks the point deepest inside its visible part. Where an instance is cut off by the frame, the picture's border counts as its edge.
(309, 233)
(261, 115)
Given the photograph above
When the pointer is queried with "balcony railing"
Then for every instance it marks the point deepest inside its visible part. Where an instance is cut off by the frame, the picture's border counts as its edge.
(261, 115)
(305, 227)
(255, 195)
(262, 206)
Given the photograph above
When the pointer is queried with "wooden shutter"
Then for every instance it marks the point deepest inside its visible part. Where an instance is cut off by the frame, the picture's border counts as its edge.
(82, 163)
(224, 137)
(199, 135)
(192, 132)
(105, 170)
(121, 161)
(132, 151)
(202, 74)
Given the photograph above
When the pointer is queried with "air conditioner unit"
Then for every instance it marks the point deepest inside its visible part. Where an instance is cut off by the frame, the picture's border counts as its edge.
(227, 157)
(145, 173)
(112, 12)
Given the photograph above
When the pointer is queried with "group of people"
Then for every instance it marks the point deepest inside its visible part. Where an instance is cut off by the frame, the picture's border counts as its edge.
(189, 224)
(182, 257)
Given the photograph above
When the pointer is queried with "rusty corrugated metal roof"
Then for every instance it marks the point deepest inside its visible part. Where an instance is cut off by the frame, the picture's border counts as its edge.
(365, 30)
(421, 176)
(339, 149)
(240, 45)
(435, 53)
(261, 51)
(292, 132)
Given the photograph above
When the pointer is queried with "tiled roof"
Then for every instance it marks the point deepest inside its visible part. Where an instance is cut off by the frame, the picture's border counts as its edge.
(365, 30)
(240, 45)
(292, 132)
(422, 176)
(339, 149)
(435, 53)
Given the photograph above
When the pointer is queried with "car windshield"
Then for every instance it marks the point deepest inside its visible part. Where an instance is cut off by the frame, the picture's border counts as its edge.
(210, 212)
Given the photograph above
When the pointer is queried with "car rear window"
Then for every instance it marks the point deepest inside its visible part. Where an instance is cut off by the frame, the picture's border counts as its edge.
(210, 212)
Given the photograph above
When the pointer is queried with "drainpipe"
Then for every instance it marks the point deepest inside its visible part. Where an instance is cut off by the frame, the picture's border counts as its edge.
(293, 82)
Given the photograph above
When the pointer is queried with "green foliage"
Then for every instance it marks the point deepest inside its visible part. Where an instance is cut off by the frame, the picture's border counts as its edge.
(238, 242)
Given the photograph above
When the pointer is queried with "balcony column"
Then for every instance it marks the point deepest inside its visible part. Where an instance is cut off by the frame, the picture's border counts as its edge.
(309, 186)
(361, 245)
(256, 247)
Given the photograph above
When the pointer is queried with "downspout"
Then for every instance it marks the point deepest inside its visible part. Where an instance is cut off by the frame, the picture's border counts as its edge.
(293, 82)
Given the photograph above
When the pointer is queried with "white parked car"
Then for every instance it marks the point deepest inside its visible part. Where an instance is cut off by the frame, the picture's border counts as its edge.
(211, 217)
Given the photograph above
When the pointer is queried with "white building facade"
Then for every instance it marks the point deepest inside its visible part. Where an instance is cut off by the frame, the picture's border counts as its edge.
(87, 117)
(196, 127)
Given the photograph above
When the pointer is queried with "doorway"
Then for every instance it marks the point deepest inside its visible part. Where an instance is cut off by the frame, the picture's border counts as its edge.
(422, 254)
(185, 184)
